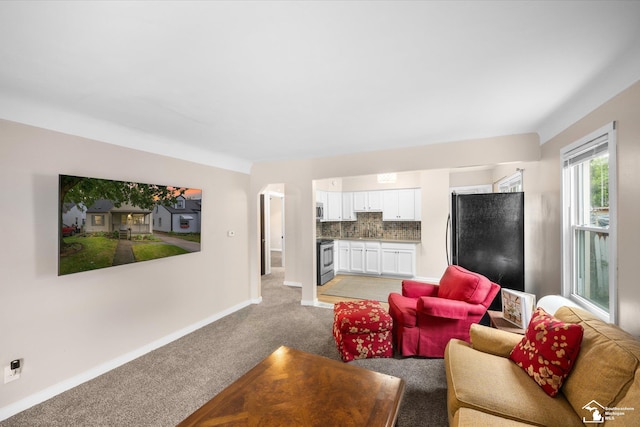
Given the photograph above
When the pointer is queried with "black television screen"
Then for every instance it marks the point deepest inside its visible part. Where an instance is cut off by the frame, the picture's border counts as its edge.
(104, 223)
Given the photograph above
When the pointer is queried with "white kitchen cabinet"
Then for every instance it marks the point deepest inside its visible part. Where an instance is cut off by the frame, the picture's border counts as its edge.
(372, 258)
(356, 257)
(376, 258)
(348, 213)
(367, 201)
(399, 205)
(360, 201)
(333, 208)
(398, 259)
(343, 256)
(375, 200)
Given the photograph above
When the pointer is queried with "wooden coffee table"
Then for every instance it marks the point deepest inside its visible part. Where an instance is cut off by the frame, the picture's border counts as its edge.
(294, 388)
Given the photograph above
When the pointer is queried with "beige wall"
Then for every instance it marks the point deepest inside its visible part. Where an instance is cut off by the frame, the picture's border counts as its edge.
(69, 327)
(625, 110)
(459, 178)
(433, 162)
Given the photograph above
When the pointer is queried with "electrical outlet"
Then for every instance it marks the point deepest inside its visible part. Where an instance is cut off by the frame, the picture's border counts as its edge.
(11, 374)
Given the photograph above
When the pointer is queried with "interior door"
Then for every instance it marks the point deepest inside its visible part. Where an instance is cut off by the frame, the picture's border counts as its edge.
(262, 238)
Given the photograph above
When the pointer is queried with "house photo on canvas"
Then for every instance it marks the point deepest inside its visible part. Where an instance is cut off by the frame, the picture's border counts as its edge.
(104, 223)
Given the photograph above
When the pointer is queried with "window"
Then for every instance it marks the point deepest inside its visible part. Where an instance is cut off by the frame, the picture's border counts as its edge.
(138, 219)
(184, 221)
(472, 189)
(98, 220)
(511, 184)
(589, 222)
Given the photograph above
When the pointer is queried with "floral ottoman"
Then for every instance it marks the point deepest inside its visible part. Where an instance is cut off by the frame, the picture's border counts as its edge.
(362, 329)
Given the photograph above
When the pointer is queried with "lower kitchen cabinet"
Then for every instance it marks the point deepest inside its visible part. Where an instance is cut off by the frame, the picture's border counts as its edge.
(398, 259)
(372, 258)
(343, 256)
(356, 257)
(376, 258)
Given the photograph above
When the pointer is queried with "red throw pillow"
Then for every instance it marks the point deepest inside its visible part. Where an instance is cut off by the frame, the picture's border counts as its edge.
(548, 350)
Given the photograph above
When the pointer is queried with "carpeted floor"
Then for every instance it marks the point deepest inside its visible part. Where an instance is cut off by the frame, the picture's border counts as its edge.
(276, 259)
(362, 287)
(163, 387)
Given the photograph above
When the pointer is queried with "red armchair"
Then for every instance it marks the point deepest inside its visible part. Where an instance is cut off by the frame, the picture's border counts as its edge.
(426, 316)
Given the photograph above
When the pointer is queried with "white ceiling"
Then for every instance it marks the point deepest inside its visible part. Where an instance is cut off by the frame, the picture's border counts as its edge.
(232, 83)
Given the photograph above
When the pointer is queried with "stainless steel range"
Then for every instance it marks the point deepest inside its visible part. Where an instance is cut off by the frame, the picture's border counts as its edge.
(325, 260)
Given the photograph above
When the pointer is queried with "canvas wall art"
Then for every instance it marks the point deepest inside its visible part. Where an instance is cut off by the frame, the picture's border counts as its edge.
(104, 223)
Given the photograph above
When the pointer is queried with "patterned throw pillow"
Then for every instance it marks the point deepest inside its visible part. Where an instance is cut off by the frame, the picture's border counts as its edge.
(548, 350)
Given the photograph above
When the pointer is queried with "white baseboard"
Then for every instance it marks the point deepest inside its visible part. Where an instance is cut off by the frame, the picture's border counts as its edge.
(323, 304)
(49, 392)
(292, 284)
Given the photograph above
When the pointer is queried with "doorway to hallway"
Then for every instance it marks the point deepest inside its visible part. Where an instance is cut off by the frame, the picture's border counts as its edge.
(272, 228)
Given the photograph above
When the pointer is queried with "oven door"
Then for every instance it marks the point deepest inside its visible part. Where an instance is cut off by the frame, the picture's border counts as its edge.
(326, 256)
(325, 262)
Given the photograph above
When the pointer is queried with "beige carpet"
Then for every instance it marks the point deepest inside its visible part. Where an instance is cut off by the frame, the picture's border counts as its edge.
(363, 287)
(164, 386)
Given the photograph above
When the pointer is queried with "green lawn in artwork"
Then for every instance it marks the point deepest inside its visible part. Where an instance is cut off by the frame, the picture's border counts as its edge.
(189, 237)
(145, 252)
(92, 253)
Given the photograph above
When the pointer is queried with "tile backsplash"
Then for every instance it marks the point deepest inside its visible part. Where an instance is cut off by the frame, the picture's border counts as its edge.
(370, 225)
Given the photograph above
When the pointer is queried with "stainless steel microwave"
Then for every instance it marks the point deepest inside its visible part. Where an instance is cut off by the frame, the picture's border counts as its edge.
(319, 211)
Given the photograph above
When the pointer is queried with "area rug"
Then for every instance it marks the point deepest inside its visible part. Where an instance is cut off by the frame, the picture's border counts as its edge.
(363, 287)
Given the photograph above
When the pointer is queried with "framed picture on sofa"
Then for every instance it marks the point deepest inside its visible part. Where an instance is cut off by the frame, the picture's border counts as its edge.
(517, 307)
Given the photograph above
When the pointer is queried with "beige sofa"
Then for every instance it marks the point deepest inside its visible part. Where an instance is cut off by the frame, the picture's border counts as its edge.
(485, 388)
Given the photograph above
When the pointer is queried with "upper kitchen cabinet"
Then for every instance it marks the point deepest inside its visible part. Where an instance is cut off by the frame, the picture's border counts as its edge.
(401, 205)
(367, 201)
(331, 202)
(395, 205)
(334, 206)
(348, 214)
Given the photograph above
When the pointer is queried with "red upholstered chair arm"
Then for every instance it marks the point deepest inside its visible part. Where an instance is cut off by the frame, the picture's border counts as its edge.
(442, 307)
(415, 289)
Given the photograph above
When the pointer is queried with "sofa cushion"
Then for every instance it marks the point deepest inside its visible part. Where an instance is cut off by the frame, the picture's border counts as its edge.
(548, 350)
(630, 400)
(463, 285)
(495, 385)
(606, 366)
(472, 418)
(492, 340)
